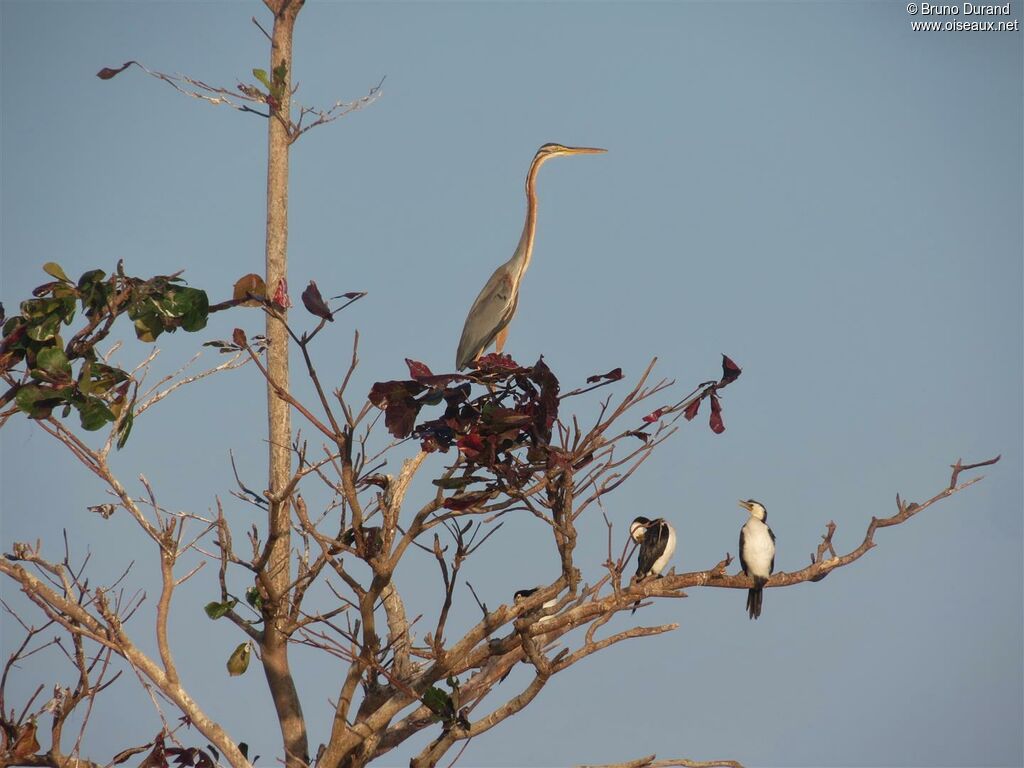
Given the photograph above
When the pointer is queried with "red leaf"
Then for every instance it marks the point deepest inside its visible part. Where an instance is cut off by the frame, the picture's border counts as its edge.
(496, 362)
(238, 336)
(716, 423)
(398, 401)
(417, 369)
(466, 500)
(653, 416)
(470, 444)
(281, 294)
(314, 302)
(107, 72)
(730, 371)
(692, 408)
(613, 375)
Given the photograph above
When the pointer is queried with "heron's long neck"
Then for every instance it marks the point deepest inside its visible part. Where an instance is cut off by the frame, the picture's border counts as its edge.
(524, 251)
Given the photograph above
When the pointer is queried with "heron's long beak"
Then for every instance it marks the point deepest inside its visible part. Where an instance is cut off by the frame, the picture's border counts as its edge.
(586, 150)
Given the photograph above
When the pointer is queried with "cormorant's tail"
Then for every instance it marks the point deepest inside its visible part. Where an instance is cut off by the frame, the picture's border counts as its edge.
(754, 598)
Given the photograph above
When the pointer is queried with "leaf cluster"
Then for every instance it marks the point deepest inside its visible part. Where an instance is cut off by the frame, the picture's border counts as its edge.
(506, 430)
(70, 375)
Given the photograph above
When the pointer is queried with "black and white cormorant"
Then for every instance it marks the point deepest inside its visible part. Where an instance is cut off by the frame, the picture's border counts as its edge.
(657, 539)
(757, 552)
(523, 594)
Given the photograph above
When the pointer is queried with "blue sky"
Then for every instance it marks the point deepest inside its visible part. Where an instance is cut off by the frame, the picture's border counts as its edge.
(814, 189)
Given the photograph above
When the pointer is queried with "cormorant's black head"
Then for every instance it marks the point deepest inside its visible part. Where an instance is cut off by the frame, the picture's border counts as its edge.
(522, 594)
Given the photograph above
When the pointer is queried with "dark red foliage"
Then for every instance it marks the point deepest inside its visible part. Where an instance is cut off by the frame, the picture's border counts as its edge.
(470, 444)
(314, 302)
(467, 500)
(398, 401)
(547, 402)
(417, 369)
(692, 408)
(613, 375)
(495, 362)
(716, 423)
(652, 417)
(108, 72)
(730, 371)
(281, 300)
(518, 410)
(10, 352)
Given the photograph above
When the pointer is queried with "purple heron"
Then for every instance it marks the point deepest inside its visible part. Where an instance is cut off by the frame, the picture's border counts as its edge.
(495, 307)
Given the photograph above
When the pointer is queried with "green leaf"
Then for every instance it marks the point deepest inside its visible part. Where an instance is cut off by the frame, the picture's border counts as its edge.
(253, 598)
(238, 662)
(261, 75)
(438, 702)
(148, 326)
(54, 362)
(94, 413)
(46, 329)
(215, 610)
(280, 72)
(91, 277)
(53, 269)
(125, 429)
(94, 293)
(99, 378)
(11, 323)
(432, 397)
(197, 308)
(44, 316)
(36, 400)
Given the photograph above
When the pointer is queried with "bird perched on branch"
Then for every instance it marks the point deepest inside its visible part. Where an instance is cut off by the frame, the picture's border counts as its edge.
(523, 594)
(494, 308)
(757, 552)
(372, 541)
(657, 539)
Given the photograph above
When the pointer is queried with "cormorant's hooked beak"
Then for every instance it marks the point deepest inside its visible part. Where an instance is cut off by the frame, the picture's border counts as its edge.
(746, 505)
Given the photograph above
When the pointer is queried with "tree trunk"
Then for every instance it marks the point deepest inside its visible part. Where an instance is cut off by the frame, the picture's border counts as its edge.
(274, 647)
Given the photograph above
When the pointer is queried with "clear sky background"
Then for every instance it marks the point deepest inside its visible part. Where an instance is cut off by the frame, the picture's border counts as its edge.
(812, 188)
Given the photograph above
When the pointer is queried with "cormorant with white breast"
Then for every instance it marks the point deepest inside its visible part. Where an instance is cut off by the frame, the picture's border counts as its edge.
(757, 553)
(657, 539)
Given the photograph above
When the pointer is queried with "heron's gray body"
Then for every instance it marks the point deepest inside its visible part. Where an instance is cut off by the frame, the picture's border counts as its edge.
(496, 304)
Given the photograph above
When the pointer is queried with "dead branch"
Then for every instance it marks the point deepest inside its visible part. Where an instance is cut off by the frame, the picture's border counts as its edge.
(650, 762)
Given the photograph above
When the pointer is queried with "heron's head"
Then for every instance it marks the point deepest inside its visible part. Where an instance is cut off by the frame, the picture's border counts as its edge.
(756, 509)
(557, 150)
(637, 528)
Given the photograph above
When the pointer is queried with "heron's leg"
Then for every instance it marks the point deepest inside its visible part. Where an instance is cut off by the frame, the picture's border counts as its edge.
(500, 340)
